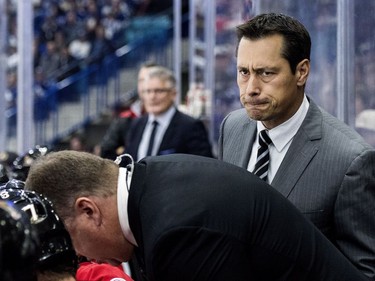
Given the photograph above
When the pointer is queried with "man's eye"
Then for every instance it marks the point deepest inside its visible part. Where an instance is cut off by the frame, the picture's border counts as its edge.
(243, 72)
(265, 73)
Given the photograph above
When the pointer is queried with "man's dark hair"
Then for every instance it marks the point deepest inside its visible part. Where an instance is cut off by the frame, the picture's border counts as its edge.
(296, 38)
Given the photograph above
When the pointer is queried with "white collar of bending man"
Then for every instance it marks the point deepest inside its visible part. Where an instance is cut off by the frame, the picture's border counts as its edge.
(123, 183)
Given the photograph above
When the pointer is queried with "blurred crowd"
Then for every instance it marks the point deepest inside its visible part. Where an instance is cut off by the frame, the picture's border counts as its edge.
(71, 33)
(68, 30)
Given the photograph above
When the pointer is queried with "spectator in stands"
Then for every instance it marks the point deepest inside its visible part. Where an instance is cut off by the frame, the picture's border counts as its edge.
(119, 9)
(48, 29)
(11, 102)
(11, 93)
(50, 60)
(68, 64)
(12, 58)
(60, 39)
(12, 29)
(112, 25)
(93, 11)
(101, 46)
(41, 101)
(72, 27)
(80, 47)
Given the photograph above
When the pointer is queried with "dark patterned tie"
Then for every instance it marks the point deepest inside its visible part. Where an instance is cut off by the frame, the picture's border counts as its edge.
(152, 137)
(263, 156)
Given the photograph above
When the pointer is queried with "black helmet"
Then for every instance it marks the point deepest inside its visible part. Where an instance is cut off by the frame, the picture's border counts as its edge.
(56, 252)
(12, 184)
(3, 174)
(18, 244)
(21, 165)
(7, 157)
(6, 162)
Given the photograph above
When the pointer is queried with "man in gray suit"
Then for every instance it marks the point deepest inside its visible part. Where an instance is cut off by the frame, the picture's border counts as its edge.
(321, 165)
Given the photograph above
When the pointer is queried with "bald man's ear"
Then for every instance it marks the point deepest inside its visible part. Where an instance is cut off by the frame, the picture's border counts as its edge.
(302, 72)
(87, 208)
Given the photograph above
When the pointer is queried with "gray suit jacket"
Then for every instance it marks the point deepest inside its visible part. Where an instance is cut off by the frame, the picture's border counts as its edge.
(328, 173)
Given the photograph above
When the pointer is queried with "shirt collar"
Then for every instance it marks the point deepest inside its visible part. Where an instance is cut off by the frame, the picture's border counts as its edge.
(123, 184)
(284, 133)
(164, 118)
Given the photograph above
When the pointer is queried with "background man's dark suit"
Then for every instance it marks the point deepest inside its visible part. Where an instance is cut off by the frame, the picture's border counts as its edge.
(328, 174)
(115, 137)
(197, 218)
(184, 134)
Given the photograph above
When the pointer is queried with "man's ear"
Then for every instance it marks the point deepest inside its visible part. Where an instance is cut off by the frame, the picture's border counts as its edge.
(302, 72)
(87, 208)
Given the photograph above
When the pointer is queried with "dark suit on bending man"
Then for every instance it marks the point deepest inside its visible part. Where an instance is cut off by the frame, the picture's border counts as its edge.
(186, 217)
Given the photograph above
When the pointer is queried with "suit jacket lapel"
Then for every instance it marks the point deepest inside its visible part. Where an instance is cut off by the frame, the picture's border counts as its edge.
(238, 137)
(249, 132)
(138, 133)
(170, 132)
(134, 217)
(303, 148)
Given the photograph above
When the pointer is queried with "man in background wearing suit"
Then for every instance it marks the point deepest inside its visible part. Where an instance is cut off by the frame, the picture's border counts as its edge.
(114, 140)
(321, 165)
(164, 129)
(187, 218)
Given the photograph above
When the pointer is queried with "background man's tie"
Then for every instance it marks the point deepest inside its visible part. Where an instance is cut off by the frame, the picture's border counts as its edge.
(263, 156)
(152, 137)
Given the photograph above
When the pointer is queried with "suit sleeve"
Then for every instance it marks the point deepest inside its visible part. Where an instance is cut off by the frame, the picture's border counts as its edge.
(198, 254)
(114, 137)
(295, 251)
(355, 213)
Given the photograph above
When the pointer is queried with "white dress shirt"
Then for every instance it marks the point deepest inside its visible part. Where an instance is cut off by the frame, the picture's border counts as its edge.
(163, 122)
(281, 137)
(123, 186)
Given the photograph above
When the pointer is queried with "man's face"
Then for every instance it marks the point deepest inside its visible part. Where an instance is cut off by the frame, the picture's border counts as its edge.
(158, 96)
(268, 90)
(98, 237)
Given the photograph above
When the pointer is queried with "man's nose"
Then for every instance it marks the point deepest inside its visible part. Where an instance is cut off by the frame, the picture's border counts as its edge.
(253, 86)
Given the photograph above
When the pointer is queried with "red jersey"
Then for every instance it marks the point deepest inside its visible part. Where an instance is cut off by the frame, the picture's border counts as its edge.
(91, 271)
